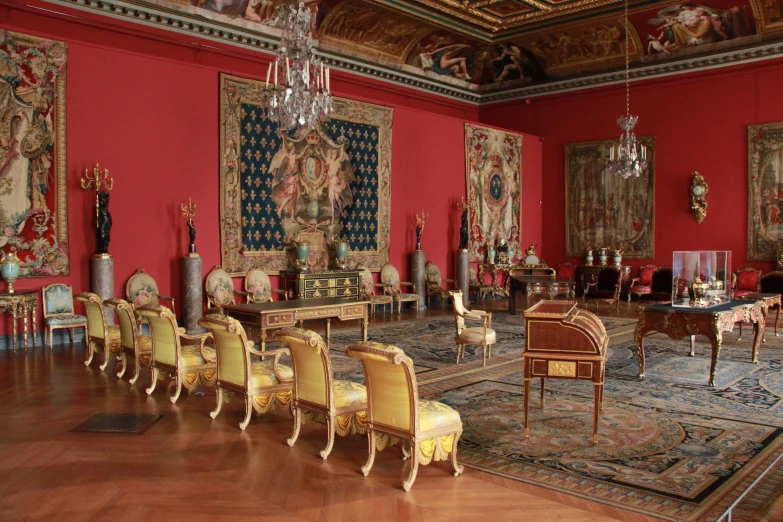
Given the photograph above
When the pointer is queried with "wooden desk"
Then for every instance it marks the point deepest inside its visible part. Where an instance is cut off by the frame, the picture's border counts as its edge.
(680, 322)
(534, 284)
(20, 304)
(280, 314)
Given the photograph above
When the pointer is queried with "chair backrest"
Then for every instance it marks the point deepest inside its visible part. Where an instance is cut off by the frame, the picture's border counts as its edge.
(57, 300)
(127, 320)
(772, 282)
(312, 366)
(233, 357)
(390, 276)
(392, 395)
(566, 271)
(459, 310)
(608, 278)
(433, 276)
(646, 274)
(473, 275)
(662, 279)
(367, 283)
(163, 327)
(141, 289)
(257, 285)
(748, 279)
(218, 287)
(96, 316)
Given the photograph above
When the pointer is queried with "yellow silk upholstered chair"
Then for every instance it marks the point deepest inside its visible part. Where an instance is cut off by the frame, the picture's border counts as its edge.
(100, 334)
(258, 287)
(135, 345)
(141, 290)
(59, 313)
(483, 336)
(395, 413)
(316, 394)
(189, 365)
(265, 385)
(390, 277)
(434, 281)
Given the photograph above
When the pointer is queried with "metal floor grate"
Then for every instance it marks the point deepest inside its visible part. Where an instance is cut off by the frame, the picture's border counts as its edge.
(135, 423)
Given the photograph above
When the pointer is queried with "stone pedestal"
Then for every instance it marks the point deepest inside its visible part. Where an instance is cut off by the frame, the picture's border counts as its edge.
(102, 280)
(192, 297)
(463, 275)
(418, 277)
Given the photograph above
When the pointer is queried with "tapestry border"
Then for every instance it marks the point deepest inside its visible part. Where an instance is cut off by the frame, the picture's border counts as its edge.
(758, 152)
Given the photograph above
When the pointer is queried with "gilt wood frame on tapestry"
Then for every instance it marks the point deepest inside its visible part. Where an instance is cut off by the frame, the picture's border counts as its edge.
(235, 259)
(55, 259)
(764, 141)
(598, 151)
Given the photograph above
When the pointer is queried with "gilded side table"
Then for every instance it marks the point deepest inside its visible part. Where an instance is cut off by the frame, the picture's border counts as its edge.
(493, 269)
(681, 322)
(20, 304)
(770, 301)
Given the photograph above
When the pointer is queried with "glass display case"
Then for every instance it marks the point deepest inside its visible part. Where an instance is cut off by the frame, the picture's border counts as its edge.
(701, 278)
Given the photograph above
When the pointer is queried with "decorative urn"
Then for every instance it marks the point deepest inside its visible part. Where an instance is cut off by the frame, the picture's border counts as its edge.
(9, 269)
(617, 258)
(302, 253)
(491, 255)
(602, 255)
(340, 253)
(589, 257)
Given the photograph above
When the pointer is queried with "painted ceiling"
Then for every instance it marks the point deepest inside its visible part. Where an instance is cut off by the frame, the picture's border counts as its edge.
(495, 45)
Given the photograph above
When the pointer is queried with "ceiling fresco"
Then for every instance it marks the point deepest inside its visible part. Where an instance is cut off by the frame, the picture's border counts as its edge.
(494, 45)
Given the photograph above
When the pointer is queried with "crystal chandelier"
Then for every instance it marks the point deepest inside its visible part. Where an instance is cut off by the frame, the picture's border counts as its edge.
(304, 99)
(627, 157)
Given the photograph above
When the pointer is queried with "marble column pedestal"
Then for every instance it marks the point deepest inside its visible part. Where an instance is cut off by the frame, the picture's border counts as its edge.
(192, 296)
(102, 280)
(418, 276)
(463, 272)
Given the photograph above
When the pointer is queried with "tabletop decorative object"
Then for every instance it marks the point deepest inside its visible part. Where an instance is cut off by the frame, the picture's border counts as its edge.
(420, 222)
(589, 257)
(189, 211)
(102, 183)
(9, 269)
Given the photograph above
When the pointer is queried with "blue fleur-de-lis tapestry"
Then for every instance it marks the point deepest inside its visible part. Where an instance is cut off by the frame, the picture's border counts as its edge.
(333, 182)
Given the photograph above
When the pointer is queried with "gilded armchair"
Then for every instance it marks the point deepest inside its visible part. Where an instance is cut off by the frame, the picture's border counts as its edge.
(265, 385)
(220, 291)
(369, 286)
(642, 284)
(391, 278)
(343, 404)
(434, 281)
(483, 336)
(58, 311)
(395, 412)
(605, 287)
(137, 346)
(258, 287)
(99, 333)
(189, 365)
(745, 281)
(141, 289)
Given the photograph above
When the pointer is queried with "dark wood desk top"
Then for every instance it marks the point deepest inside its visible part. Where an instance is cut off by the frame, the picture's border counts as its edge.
(293, 304)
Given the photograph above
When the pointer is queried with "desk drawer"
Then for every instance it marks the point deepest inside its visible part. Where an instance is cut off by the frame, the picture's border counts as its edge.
(348, 291)
(318, 292)
(316, 284)
(347, 281)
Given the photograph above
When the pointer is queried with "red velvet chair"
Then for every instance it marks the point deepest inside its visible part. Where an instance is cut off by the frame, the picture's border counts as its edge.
(660, 287)
(642, 284)
(605, 287)
(746, 281)
(566, 271)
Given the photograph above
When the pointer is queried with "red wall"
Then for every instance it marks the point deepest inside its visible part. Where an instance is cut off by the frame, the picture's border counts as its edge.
(700, 124)
(144, 104)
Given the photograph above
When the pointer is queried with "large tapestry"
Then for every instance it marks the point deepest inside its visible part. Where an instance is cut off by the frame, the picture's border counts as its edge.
(33, 201)
(604, 210)
(765, 191)
(316, 187)
(493, 164)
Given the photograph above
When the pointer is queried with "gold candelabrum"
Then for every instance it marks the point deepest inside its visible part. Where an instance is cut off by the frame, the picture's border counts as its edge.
(420, 222)
(99, 180)
(189, 212)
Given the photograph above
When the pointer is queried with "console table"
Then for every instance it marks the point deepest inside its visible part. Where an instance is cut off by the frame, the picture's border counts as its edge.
(679, 322)
(307, 284)
(586, 273)
(531, 284)
(20, 304)
(495, 268)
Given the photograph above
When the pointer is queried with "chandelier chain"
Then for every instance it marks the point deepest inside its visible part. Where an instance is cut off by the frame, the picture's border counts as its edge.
(627, 65)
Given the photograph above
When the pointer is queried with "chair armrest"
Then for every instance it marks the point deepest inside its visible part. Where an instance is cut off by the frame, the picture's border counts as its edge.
(284, 293)
(241, 292)
(202, 338)
(165, 297)
(275, 357)
(277, 352)
(588, 285)
(633, 281)
(412, 285)
(381, 285)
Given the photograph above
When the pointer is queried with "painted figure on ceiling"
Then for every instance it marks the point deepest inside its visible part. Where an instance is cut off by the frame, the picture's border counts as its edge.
(689, 25)
(442, 55)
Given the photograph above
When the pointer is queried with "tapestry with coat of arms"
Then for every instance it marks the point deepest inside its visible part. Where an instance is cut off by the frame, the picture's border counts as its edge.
(33, 197)
(315, 186)
(493, 164)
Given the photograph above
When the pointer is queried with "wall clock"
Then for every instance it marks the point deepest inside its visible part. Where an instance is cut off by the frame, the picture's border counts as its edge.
(699, 190)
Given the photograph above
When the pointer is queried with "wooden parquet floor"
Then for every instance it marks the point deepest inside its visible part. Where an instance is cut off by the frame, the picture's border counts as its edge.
(189, 467)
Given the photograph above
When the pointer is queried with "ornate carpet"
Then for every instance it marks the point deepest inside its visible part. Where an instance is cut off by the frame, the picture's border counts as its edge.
(670, 446)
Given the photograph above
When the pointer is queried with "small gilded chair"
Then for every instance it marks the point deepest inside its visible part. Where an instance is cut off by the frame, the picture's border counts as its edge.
(395, 412)
(258, 287)
(772, 283)
(189, 365)
(642, 284)
(265, 385)
(137, 346)
(343, 404)
(434, 282)
(220, 290)
(369, 286)
(141, 290)
(483, 336)
(605, 287)
(59, 313)
(660, 287)
(390, 277)
(745, 281)
(100, 335)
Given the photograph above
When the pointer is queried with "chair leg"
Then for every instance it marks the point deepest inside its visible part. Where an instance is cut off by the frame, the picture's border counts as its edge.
(330, 434)
(154, 374)
(174, 397)
(297, 425)
(739, 337)
(458, 469)
(248, 412)
(137, 371)
(106, 357)
(371, 459)
(214, 413)
(526, 431)
(72, 334)
(414, 467)
(484, 352)
(124, 359)
(542, 393)
(459, 349)
(90, 353)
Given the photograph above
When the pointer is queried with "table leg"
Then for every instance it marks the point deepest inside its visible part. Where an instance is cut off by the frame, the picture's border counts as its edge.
(693, 346)
(526, 432)
(26, 313)
(328, 330)
(263, 339)
(365, 325)
(716, 340)
(14, 327)
(512, 300)
(759, 328)
(35, 307)
(777, 316)
(638, 337)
